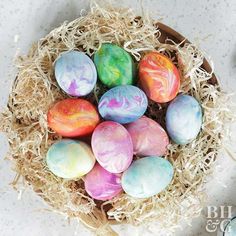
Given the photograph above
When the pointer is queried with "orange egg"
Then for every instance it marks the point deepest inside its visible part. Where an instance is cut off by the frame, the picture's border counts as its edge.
(73, 117)
(159, 77)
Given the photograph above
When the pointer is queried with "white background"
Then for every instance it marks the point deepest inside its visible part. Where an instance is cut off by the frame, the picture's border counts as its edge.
(210, 23)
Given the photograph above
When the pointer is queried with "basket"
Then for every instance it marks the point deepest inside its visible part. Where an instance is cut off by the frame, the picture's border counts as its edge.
(35, 90)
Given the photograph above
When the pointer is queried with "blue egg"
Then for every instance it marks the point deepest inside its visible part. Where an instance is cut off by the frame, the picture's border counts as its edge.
(123, 104)
(147, 176)
(183, 119)
(75, 73)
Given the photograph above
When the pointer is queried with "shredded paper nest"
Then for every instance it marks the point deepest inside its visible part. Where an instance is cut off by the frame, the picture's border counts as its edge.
(35, 90)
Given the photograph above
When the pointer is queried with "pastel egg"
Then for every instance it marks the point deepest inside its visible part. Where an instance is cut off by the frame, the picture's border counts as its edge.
(70, 159)
(123, 104)
(73, 117)
(75, 73)
(112, 146)
(114, 65)
(101, 184)
(159, 77)
(183, 119)
(148, 137)
(147, 177)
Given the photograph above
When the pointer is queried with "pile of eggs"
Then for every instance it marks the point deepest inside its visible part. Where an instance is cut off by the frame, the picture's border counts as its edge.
(117, 128)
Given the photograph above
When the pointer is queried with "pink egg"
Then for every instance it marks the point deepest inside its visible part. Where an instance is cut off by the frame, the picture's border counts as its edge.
(101, 184)
(148, 137)
(112, 146)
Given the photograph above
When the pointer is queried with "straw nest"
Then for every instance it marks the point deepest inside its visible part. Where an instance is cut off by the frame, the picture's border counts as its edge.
(35, 90)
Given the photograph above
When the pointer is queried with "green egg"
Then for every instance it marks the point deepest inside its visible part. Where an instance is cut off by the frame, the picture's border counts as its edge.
(114, 65)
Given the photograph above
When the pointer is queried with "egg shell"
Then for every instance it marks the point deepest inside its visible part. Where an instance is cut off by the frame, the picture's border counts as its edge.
(183, 119)
(159, 77)
(115, 66)
(148, 137)
(147, 177)
(123, 104)
(75, 73)
(101, 184)
(73, 117)
(112, 146)
(70, 159)
(230, 229)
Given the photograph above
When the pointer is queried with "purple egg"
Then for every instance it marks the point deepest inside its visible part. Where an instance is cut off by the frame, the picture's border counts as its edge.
(101, 184)
(75, 73)
(112, 146)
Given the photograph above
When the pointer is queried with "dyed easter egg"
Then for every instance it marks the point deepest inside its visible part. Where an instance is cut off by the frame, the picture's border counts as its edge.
(70, 159)
(75, 73)
(147, 176)
(114, 65)
(230, 229)
(73, 117)
(148, 137)
(112, 146)
(101, 184)
(123, 104)
(159, 77)
(183, 119)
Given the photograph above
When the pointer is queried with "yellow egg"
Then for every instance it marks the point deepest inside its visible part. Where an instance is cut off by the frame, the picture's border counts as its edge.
(70, 159)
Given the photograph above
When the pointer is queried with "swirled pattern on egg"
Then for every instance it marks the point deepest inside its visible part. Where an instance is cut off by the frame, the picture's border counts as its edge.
(123, 104)
(114, 65)
(112, 146)
(73, 117)
(70, 159)
(159, 77)
(101, 184)
(147, 176)
(183, 119)
(148, 137)
(75, 73)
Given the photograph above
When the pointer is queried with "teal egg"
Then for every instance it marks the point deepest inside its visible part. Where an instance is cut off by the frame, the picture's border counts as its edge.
(147, 176)
(70, 159)
(114, 65)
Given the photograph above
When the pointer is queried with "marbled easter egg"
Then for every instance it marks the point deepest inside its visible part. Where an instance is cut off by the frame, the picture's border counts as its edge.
(101, 184)
(147, 176)
(70, 159)
(159, 77)
(112, 146)
(230, 229)
(148, 137)
(183, 119)
(75, 73)
(114, 65)
(73, 117)
(123, 104)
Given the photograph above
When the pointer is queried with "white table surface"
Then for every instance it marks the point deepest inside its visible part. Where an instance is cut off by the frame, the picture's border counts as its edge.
(210, 23)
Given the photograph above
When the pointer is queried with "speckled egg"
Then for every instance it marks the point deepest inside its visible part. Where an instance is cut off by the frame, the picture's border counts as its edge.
(183, 119)
(73, 117)
(159, 77)
(147, 176)
(148, 137)
(123, 104)
(70, 159)
(112, 146)
(114, 65)
(75, 73)
(101, 184)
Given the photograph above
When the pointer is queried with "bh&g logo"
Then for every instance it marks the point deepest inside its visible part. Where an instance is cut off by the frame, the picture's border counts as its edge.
(218, 218)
